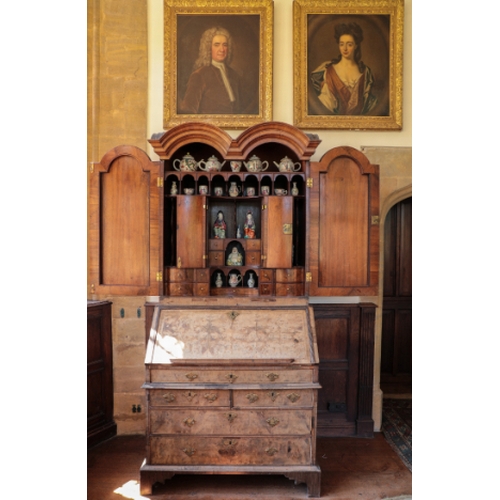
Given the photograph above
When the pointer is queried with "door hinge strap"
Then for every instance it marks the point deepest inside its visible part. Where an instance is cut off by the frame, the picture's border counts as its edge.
(309, 277)
(309, 182)
(159, 182)
(159, 276)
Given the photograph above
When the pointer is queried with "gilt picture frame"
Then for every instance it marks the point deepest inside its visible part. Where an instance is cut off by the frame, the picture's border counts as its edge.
(348, 64)
(236, 91)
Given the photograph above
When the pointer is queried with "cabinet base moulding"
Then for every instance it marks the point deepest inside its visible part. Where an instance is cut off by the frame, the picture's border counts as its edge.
(310, 475)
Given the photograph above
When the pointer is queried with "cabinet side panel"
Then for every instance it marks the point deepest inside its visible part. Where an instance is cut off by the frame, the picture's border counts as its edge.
(343, 225)
(125, 224)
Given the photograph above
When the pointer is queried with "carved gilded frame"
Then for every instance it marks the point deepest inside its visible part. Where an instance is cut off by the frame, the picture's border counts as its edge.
(251, 26)
(382, 51)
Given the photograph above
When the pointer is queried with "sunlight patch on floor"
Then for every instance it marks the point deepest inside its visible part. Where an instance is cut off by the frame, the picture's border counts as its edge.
(131, 490)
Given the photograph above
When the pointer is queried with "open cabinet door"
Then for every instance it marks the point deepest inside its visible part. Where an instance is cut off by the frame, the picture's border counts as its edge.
(277, 224)
(344, 224)
(191, 231)
(125, 231)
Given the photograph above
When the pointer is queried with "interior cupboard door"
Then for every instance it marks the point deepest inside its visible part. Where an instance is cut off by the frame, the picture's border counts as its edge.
(191, 231)
(343, 224)
(277, 235)
(125, 203)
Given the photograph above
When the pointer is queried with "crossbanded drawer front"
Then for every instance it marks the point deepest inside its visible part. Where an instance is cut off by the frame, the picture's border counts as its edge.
(247, 422)
(289, 289)
(193, 450)
(290, 275)
(189, 397)
(179, 289)
(233, 377)
(273, 398)
(176, 275)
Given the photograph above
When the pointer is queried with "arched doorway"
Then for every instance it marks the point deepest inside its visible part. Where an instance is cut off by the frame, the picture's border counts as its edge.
(396, 349)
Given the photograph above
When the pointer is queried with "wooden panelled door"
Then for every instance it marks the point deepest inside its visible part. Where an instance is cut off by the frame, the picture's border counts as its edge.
(396, 363)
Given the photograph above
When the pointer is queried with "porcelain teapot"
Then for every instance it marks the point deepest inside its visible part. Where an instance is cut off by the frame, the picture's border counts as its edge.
(234, 279)
(211, 165)
(287, 165)
(255, 165)
(187, 164)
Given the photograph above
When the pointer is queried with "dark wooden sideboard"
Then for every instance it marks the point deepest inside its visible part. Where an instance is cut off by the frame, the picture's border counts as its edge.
(100, 422)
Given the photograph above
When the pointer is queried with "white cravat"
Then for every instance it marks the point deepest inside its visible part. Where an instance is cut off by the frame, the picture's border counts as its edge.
(222, 68)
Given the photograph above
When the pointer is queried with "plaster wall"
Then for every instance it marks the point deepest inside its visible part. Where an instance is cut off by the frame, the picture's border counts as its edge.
(125, 86)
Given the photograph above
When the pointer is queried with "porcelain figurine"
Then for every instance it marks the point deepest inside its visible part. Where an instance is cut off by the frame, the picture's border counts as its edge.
(234, 190)
(173, 189)
(249, 227)
(218, 281)
(234, 258)
(220, 226)
(251, 281)
(295, 189)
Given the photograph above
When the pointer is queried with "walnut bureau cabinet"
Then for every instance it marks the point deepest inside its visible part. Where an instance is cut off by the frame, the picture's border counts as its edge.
(155, 231)
(232, 388)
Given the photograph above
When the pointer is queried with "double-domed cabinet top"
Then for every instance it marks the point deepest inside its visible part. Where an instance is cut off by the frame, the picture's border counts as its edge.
(169, 227)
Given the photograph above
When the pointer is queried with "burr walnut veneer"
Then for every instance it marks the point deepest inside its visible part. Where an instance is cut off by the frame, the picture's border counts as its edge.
(232, 389)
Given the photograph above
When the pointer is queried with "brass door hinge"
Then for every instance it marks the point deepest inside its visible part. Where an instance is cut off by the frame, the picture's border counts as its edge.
(309, 277)
(375, 220)
(309, 182)
(159, 276)
(287, 229)
(264, 207)
(159, 182)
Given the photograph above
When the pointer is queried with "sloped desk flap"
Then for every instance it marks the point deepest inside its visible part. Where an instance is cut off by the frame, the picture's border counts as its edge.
(278, 334)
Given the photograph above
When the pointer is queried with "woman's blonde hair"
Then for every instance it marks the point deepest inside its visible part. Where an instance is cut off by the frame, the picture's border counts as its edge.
(205, 52)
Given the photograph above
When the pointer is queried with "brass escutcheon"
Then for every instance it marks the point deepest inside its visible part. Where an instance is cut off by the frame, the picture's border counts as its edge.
(169, 397)
(231, 417)
(273, 395)
(231, 377)
(272, 421)
(189, 422)
(189, 451)
(211, 397)
(271, 451)
(190, 395)
(293, 397)
(272, 376)
(191, 376)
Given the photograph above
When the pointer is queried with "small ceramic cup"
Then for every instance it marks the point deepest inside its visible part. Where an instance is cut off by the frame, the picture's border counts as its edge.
(203, 189)
(188, 191)
(235, 165)
(265, 190)
(218, 191)
(280, 192)
(250, 191)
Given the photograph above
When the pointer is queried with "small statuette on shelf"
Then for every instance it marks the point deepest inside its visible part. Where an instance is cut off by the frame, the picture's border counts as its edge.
(218, 281)
(249, 227)
(234, 258)
(295, 189)
(251, 281)
(173, 189)
(220, 226)
(234, 190)
(238, 232)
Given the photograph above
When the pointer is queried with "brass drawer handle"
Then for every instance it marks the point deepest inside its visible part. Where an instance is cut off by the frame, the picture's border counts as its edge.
(211, 397)
(252, 397)
(231, 417)
(273, 395)
(190, 395)
(272, 376)
(272, 421)
(189, 422)
(293, 397)
(189, 451)
(231, 377)
(271, 451)
(191, 376)
(169, 397)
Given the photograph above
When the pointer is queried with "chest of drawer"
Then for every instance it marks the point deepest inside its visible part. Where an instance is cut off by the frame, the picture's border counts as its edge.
(234, 422)
(191, 450)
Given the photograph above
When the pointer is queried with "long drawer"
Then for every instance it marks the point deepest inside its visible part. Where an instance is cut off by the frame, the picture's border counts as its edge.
(234, 377)
(231, 421)
(194, 450)
(189, 397)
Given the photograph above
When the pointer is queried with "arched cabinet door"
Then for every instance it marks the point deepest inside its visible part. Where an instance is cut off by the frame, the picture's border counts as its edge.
(125, 203)
(343, 237)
